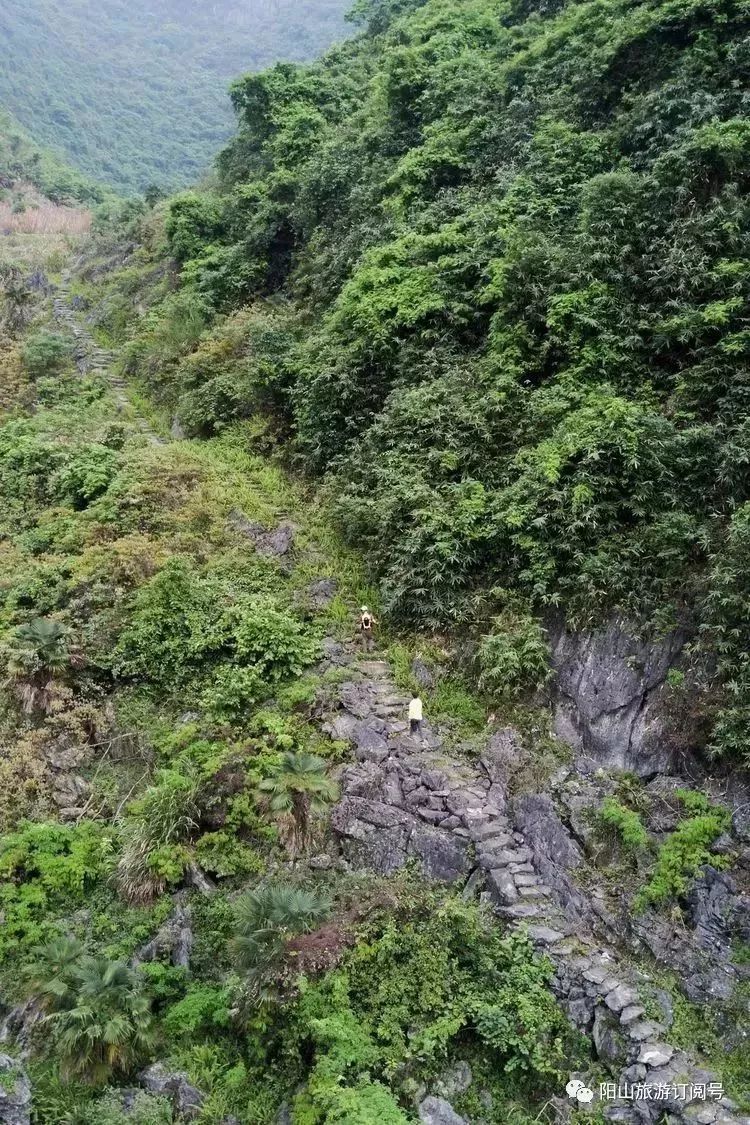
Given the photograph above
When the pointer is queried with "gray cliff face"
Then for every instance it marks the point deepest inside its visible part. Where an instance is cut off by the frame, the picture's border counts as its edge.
(610, 701)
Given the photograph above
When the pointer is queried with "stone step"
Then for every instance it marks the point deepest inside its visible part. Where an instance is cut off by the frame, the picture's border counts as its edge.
(534, 892)
(520, 910)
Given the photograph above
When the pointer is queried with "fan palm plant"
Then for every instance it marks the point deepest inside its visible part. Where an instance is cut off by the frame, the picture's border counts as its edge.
(97, 1010)
(296, 792)
(267, 916)
(50, 975)
(38, 658)
(265, 919)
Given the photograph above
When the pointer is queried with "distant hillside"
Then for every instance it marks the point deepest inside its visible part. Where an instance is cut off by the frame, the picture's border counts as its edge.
(134, 91)
(22, 159)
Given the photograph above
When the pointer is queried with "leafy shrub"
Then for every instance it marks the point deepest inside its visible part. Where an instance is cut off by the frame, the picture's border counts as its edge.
(193, 220)
(626, 823)
(411, 989)
(728, 613)
(203, 1009)
(269, 640)
(45, 354)
(232, 693)
(45, 869)
(142, 1109)
(85, 475)
(159, 826)
(182, 623)
(174, 624)
(452, 700)
(224, 855)
(514, 657)
(679, 858)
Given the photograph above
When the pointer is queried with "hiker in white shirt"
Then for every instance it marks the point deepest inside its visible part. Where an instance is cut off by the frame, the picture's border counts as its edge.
(367, 623)
(415, 714)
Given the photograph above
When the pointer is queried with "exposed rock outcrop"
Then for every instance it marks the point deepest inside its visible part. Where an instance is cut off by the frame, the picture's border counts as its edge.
(407, 796)
(437, 1111)
(270, 542)
(186, 1099)
(173, 940)
(15, 1093)
(610, 696)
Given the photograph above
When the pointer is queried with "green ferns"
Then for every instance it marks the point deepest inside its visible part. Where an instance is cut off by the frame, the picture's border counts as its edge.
(685, 850)
(626, 823)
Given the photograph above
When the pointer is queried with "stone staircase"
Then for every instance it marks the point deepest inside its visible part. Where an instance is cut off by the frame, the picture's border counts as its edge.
(92, 359)
(410, 798)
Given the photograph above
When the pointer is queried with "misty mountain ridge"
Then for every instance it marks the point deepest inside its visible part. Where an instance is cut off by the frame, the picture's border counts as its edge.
(136, 93)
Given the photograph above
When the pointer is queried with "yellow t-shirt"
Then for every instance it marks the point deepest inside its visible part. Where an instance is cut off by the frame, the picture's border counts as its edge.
(415, 709)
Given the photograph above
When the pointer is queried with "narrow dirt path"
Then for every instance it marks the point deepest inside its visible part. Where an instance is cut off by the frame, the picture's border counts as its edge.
(93, 359)
(411, 797)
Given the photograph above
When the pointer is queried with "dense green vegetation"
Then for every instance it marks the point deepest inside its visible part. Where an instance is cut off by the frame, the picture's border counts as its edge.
(157, 727)
(495, 267)
(21, 159)
(134, 93)
(480, 275)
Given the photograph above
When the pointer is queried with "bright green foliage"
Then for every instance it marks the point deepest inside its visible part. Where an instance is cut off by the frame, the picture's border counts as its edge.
(626, 823)
(145, 1109)
(86, 475)
(192, 221)
(729, 622)
(97, 1011)
(204, 1008)
(182, 621)
(512, 248)
(45, 354)
(224, 855)
(403, 998)
(46, 869)
(514, 656)
(683, 852)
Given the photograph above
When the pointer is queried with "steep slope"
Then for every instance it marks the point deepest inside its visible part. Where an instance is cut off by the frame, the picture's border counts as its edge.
(194, 573)
(168, 609)
(134, 93)
(513, 245)
(23, 160)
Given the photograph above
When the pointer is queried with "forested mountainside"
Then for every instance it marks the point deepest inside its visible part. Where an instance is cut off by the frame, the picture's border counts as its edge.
(134, 91)
(459, 333)
(23, 161)
(493, 267)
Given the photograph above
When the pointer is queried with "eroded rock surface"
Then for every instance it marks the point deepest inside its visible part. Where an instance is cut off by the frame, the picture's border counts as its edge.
(610, 701)
(410, 797)
(186, 1099)
(15, 1093)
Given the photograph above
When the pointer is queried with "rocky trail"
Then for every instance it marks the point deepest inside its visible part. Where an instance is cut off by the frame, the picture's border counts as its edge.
(413, 798)
(448, 807)
(92, 359)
